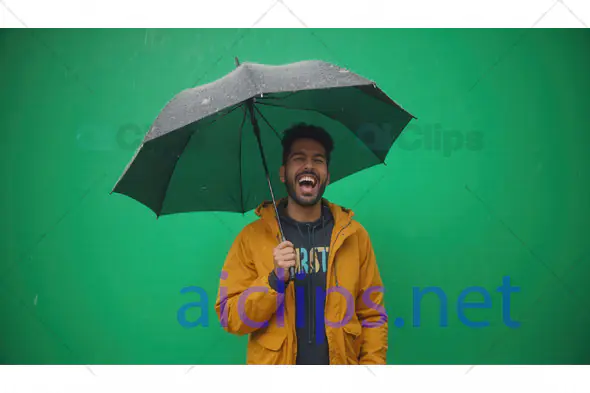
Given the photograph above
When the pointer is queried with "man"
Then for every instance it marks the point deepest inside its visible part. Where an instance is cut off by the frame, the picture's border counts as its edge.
(332, 311)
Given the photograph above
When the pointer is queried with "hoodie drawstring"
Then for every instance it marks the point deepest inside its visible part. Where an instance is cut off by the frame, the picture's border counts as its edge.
(311, 288)
(310, 284)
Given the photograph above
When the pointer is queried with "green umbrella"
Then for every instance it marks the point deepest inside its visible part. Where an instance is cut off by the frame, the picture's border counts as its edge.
(204, 150)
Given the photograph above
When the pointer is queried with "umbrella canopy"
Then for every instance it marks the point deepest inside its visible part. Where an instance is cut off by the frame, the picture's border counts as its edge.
(203, 151)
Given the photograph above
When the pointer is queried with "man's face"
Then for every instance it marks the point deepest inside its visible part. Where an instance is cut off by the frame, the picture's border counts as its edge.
(305, 173)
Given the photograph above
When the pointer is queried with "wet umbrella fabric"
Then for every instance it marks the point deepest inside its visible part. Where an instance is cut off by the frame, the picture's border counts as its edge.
(203, 151)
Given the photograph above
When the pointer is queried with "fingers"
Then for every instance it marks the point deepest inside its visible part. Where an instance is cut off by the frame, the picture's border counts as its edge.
(286, 253)
(286, 264)
(286, 260)
(284, 250)
(285, 244)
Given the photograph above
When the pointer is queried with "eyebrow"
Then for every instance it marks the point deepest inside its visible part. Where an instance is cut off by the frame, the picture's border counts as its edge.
(298, 153)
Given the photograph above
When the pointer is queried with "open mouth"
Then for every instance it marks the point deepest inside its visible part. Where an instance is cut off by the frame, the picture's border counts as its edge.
(307, 183)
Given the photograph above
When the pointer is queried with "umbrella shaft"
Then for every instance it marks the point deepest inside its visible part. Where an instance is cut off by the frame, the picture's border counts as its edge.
(257, 133)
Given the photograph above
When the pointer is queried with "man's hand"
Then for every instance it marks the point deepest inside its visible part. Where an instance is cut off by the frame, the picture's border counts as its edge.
(284, 258)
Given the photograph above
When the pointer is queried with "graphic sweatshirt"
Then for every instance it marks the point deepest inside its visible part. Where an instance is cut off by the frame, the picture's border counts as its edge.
(312, 245)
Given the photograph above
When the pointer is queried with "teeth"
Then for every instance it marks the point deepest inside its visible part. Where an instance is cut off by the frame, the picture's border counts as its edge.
(309, 179)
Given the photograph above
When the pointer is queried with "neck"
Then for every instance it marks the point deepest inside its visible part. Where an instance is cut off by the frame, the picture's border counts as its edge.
(304, 213)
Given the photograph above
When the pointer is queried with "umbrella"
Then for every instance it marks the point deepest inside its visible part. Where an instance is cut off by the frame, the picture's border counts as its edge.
(205, 148)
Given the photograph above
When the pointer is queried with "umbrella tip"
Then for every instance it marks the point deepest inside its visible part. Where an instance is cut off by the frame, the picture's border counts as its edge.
(237, 61)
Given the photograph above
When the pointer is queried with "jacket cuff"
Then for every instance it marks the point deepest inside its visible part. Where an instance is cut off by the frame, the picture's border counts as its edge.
(275, 283)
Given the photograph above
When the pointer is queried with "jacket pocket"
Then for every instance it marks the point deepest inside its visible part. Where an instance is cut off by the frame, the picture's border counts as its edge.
(352, 341)
(267, 347)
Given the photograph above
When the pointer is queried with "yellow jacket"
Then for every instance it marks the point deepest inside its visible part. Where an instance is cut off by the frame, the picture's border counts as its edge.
(356, 333)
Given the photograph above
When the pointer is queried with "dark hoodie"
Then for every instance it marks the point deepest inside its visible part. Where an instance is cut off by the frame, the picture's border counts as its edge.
(312, 243)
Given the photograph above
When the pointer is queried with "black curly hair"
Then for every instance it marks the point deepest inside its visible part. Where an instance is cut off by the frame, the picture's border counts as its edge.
(303, 130)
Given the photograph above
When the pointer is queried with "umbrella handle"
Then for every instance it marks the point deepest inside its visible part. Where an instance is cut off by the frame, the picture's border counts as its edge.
(292, 268)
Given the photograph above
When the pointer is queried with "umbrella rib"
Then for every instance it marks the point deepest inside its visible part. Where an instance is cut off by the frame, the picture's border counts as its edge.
(387, 100)
(159, 212)
(240, 142)
(281, 97)
(267, 122)
(330, 117)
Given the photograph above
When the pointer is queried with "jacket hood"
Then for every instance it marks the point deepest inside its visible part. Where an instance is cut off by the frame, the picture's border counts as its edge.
(341, 215)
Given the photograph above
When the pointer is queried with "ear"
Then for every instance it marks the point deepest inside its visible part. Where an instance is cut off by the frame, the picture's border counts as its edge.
(282, 173)
(328, 179)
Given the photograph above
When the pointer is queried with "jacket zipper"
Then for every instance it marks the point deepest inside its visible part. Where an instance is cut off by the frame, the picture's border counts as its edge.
(332, 252)
(333, 257)
(310, 311)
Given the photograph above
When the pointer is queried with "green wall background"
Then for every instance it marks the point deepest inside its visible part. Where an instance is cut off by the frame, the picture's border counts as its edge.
(92, 278)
